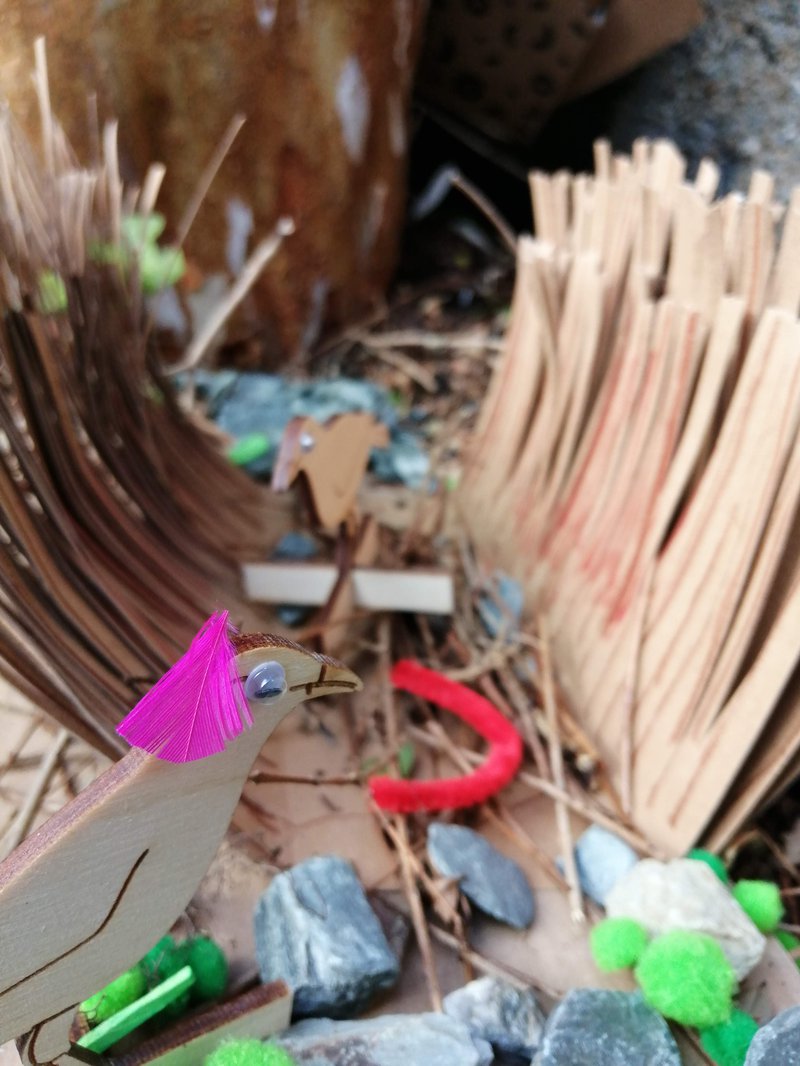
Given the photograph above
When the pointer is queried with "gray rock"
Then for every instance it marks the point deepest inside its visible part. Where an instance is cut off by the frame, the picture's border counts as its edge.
(730, 91)
(602, 859)
(391, 1040)
(493, 882)
(246, 403)
(295, 546)
(686, 894)
(508, 1017)
(315, 929)
(778, 1042)
(598, 1027)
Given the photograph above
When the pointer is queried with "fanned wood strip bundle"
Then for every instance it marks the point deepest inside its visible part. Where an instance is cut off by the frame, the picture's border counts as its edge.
(121, 522)
(637, 466)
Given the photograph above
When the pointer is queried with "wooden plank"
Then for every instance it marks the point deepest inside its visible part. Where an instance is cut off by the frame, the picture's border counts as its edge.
(311, 584)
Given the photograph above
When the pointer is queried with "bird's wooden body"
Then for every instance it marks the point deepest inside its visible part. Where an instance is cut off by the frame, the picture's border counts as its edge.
(92, 890)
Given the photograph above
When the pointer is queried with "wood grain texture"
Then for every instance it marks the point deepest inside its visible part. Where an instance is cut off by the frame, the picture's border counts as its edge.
(640, 444)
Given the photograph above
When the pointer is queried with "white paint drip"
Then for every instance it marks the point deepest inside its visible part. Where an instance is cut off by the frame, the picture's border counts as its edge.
(397, 124)
(316, 315)
(266, 13)
(352, 104)
(240, 226)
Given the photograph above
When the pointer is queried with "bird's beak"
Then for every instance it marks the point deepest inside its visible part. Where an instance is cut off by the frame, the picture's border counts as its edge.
(307, 674)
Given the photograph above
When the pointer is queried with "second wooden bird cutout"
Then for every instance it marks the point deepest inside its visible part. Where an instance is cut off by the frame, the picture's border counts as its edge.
(331, 459)
(86, 896)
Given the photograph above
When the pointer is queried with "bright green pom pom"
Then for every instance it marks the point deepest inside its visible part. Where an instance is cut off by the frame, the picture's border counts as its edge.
(787, 940)
(123, 991)
(209, 966)
(155, 958)
(617, 943)
(727, 1044)
(249, 1053)
(711, 860)
(761, 901)
(686, 977)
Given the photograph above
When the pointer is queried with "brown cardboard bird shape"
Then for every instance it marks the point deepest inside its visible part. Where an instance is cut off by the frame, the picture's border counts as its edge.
(84, 897)
(331, 459)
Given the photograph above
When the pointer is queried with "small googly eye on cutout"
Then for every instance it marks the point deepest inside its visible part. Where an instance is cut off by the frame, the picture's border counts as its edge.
(265, 682)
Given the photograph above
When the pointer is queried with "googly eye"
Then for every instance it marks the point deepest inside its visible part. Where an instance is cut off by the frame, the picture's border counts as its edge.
(307, 443)
(265, 682)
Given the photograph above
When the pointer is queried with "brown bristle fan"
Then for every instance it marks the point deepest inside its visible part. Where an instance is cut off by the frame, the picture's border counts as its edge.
(121, 521)
(637, 466)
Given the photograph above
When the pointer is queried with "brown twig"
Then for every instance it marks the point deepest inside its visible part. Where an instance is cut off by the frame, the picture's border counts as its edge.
(264, 777)
(547, 788)
(19, 826)
(489, 966)
(401, 830)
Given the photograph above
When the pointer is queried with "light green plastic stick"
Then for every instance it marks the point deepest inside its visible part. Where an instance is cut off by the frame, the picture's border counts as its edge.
(136, 1014)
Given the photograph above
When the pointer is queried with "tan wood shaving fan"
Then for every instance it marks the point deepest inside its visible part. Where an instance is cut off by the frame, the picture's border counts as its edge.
(637, 466)
(122, 524)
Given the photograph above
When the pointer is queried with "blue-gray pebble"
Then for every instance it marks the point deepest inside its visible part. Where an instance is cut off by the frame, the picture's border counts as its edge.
(602, 859)
(493, 882)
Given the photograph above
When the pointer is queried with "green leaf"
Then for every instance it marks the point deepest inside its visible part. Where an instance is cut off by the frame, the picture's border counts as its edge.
(406, 758)
(160, 267)
(52, 293)
(139, 230)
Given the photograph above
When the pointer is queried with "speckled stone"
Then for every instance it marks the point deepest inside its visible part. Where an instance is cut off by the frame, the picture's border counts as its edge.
(508, 1017)
(390, 1040)
(598, 1027)
(778, 1042)
(315, 929)
(688, 895)
(491, 881)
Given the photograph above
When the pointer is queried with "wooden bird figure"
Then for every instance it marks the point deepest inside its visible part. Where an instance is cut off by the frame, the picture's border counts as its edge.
(332, 459)
(87, 895)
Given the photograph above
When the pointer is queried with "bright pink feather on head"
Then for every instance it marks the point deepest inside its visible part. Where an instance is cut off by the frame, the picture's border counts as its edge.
(197, 706)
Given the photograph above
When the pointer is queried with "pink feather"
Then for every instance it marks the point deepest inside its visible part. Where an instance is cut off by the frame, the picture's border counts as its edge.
(197, 706)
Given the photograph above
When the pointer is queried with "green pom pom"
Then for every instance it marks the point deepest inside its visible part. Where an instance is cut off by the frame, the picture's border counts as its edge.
(727, 1043)
(123, 991)
(155, 958)
(249, 1053)
(711, 860)
(209, 966)
(761, 901)
(686, 977)
(617, 943)
(787, 940)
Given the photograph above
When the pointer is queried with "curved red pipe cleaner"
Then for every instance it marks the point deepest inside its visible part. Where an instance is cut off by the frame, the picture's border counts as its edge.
(502, 762)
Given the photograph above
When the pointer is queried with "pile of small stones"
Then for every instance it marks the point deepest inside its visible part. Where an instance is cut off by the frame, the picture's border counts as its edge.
(338, 950)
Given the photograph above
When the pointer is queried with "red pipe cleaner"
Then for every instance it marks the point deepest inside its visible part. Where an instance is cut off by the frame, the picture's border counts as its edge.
(448, 793)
